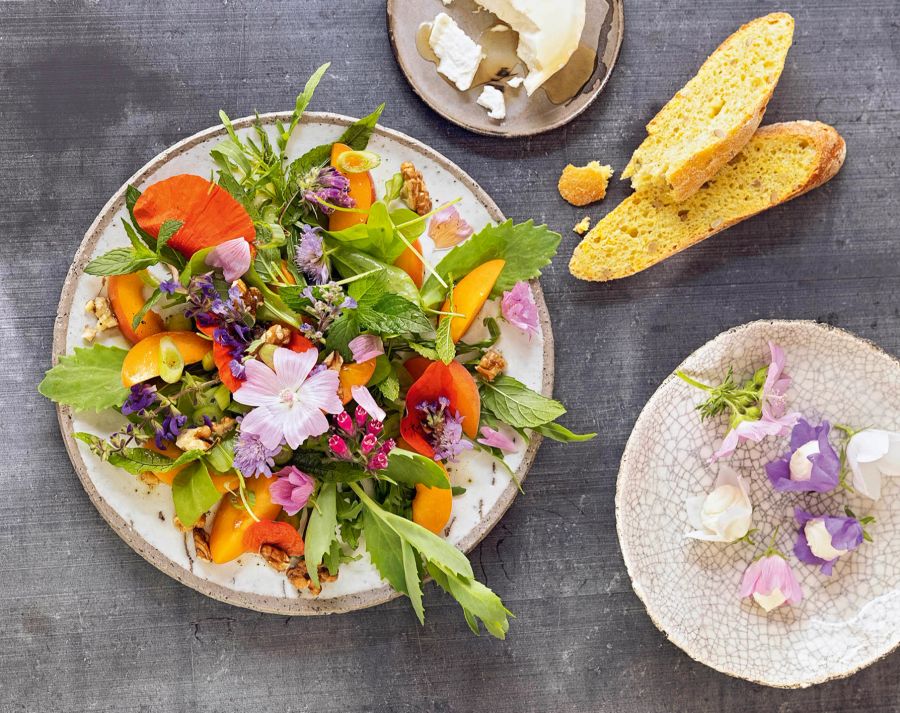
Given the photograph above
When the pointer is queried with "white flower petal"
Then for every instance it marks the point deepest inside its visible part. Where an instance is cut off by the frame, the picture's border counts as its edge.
(363, 397)
(261, 386)
(267, 423)
(303, 422)
(320, 390)
(868, 446)
(293, 368)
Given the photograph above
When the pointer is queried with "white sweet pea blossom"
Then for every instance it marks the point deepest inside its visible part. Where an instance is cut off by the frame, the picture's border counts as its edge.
(725, 513)
(872, 454)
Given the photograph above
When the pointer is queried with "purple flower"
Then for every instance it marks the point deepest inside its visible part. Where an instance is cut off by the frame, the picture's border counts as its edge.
(443, 429)
(771, 583)
(310, 257)
(448, 228)
(365, 347)
(326, 185)
(495, 439)
(252, 457)
(292, 489)
(811, 465)
(169, 287)
(326, 303)
(822, 539)
(141, 397)
(519, 309)
(232, 256)
(773, 420)
(169, 429)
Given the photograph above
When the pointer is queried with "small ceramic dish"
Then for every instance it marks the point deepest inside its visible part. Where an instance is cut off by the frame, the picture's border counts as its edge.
(691, 588)
(573, 88)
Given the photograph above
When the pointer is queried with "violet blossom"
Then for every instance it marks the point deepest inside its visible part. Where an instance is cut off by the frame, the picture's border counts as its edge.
(292, 489)
(811, 465)
(310, 257)
(232, 257)
(495, 439)
(448, 228)
(872, 454)
(170, 428)
(771, 582)
(141, 397)
(169, 287)
(821, 540)
(365, 347)
(252, 457)
(518, 308)
(443, 429)
(326, 185)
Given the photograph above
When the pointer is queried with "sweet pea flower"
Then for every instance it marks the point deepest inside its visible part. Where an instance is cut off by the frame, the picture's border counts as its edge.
(773, 420)
(519, 309)
(290, 402)
(365, 347)
(448, 228)
(771, 583)
(292, 489)
(232, 256)
(725, 513)
(822, 539)
(872, 454)
(494, 439)
(811, 465)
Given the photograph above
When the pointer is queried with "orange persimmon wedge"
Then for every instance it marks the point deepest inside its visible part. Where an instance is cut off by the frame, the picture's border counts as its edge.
(470, 294)
(126, 295)
(410, 263)
(431, 507)
(208, 212)
(362, 191)
(355, 374)
(226, 539)
(142, 361)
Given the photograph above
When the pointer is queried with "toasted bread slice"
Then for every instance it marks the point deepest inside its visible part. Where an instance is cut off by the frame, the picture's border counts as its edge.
(713, 117)
(781, 162)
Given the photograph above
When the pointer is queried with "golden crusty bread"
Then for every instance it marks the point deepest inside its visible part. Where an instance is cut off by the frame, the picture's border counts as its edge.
(780, 162)
(713, 117)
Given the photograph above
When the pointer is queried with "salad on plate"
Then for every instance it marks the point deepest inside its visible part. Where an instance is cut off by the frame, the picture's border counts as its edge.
(300, 374)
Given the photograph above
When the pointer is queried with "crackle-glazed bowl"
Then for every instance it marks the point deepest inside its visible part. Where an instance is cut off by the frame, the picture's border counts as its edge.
(142, 515)
(690, 588)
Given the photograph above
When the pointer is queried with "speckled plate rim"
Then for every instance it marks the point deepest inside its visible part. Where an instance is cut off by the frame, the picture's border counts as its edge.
(259, 602)
(617, 7)
(632, 444)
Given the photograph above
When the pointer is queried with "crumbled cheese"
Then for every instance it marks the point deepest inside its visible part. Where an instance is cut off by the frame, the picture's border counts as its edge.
(500, 28)
(583, 225)
(515, 82)
(458, 53)
(491, 99)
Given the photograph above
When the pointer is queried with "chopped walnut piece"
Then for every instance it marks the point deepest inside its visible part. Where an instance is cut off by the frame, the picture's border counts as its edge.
(201, 544)
(149, 478)
(333, 361)
(414, 193)
(275, 557)
(180, 526)
(491, 365)
(101, 309)
(277, 334)
(298, 575)
(201, 438)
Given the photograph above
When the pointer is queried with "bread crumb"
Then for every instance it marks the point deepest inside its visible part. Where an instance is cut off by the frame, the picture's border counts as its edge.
(580, 185)
(583, 225)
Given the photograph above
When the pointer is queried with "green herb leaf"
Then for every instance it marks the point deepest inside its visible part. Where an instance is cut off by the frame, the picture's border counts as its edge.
(393, 314)
(357, 135)
(413, 579)
(422, 350)
(342, 331)
(515, 404)
(350, 262)
(443, 343)
(194, 493)
(89, 379)
(562, 434)
(477, 601)
(121, 261)
(168, 229)
(148, 305)
(385, 548)
(525, 247)
(411, 468)
(321, 529)
(302, 102)
(131, 197)
(390, 386)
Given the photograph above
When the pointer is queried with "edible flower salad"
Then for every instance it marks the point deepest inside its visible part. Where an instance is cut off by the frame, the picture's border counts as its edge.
(299, 374)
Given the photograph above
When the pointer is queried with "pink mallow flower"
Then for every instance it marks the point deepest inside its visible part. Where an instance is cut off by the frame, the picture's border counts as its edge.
(365, 347)
(448, 228)
(494, 439)
(771, 582)
(364, 398)
(232, 256)
(774, 421)
(292, 489)
(519, 309)
(290, 403)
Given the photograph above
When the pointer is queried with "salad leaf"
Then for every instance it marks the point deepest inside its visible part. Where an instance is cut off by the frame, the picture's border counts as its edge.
(89, 379)
(515, 404)
(413, 579)
(425, 351)
(342, 331)
(321, 529)
(302, 102)
(526, 247)
(131, 196)
(194, 493)
(411, 468)
(168, 229)
(350, 262)
(393, 314)
(148, 305)
(385, 548)
(477, 601)
(357, 135)
(390, 386)
(562, 434)
(443, 343)
(121, 261)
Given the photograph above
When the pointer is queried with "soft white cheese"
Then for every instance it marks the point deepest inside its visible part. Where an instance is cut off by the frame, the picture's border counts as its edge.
(549, 33)
(515, 82)
(458, 53)
(491, 99)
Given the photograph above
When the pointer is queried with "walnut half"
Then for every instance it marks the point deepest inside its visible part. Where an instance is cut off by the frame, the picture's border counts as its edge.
(414, 193)
(491, 365)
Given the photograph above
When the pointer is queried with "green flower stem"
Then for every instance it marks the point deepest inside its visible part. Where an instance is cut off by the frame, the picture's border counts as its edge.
(693, 382)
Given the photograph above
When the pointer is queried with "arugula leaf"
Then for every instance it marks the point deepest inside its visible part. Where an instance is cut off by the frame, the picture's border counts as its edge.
(526, 247)
(357, 135)
(562, 434)
(411, 468)
(89, 379)
(121, 261)
(517, 405)
(393, 314)
(321, 529)
(168, 229)
(193, 493)
(413, 579)
(477, 601)
(302, 102)
(385, 548)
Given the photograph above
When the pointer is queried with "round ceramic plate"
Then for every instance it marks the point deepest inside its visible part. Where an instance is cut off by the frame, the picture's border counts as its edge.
(690, 588)
(142, 515)
(571, 90)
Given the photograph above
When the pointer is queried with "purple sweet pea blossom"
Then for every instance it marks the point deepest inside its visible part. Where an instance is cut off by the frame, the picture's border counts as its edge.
(292, 489)
(365, 347)
(811, 465)
(518, 308)
(252, 457)
(232, 257)
(494, 439)
(771, 582)
(822, 539)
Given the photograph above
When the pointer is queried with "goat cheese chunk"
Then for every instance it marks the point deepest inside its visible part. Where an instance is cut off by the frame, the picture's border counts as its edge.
(458, 53)
(491, 99)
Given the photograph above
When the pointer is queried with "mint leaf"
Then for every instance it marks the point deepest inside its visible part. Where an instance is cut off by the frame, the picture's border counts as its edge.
(413, 579)
(321, 529)
(368, 290)
(121, 261)
(342, 331)
(385, 548)
(89, 379)
(168, 229)
(515, 404)
(422, 350)
(562, 434)
(393, 314)
(357, 135)
(131, 196)
(193, 493)
(148, 305)
(411, 468)
(526, 247)
(390, 386)
(443, 343)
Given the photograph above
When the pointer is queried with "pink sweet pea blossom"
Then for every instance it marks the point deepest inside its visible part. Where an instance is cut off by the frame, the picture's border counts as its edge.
(365, 347)
(232, 256)
(771, 583)
(495, 439)
(289, 401)
(519, 309)
(292, 489)
(447, 228)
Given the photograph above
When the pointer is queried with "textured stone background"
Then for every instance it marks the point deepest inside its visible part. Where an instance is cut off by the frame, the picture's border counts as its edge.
(89, 91)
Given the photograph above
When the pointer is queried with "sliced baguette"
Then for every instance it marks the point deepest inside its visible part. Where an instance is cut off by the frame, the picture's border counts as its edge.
(780, 162)
(713, 117)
